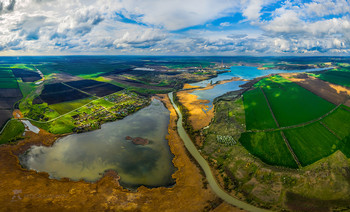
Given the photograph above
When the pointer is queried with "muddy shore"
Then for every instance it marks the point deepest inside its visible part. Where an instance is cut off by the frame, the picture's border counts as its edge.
(196, 107)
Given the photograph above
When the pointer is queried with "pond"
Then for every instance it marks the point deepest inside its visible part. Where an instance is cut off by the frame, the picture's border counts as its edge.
(88, 155)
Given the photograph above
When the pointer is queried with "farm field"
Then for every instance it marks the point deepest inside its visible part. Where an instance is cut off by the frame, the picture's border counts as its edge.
(5, 115)
(8, 97)
(344, 146)
(63, 125)
(312, 142)
(317, 86)
(269, 147)
(66, 107)
(338, 121)
(26, 87)
(57, 93)
(95, 87)
(12, 132)
(257, 112)
(339, 77)
(91, 115)
(7, 79)
(291, 103)
(84, 67)
(8, 83)
(7, 103)
(6, 73)
(25, 75)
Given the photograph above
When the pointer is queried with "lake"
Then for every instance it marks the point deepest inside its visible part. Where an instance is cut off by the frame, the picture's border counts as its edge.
(87, 155)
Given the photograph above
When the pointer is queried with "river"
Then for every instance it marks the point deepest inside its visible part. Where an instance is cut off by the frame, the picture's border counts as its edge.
(248, 73)
(205, 166)
(243, 72)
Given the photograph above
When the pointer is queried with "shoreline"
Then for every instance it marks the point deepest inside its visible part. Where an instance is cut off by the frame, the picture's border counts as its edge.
(36, 188)
(196, 107)
(278, 196)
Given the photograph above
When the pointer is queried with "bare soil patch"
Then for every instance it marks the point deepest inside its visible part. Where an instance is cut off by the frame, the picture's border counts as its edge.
(333, 93)
(64, 77)
(27, 76)
(10, 92)
(57, 93)
(5, 115)
(95, 87)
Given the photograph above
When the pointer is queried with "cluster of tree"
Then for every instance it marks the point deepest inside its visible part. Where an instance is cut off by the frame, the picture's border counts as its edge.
(226, 139)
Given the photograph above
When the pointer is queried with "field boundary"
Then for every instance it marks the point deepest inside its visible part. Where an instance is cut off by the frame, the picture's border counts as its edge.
(78, 90)
(97, 98)
(268, 104)
(299, 125)
(45, 122)
(344, 108)
(282, 133)
(290, 149)
(3, 128)
(331, 131)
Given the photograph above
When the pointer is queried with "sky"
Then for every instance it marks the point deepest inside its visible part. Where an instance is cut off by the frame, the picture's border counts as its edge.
(175, 27)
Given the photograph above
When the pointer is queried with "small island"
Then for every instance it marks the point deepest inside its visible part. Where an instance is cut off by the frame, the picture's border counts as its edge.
(138, 140)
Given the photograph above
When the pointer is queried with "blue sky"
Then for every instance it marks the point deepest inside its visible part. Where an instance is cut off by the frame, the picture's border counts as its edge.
(174, 27)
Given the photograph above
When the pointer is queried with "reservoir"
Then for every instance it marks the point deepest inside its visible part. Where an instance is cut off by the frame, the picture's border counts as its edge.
(88, 155)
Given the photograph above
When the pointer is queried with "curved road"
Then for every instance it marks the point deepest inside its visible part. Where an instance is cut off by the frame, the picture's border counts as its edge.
(203, 163)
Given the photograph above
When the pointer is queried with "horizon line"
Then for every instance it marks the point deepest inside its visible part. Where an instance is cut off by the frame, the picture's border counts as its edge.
(101, 55)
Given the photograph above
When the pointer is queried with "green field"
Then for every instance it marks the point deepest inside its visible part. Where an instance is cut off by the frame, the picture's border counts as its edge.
(340, 77)
(26, 87)
(22, 66)
(65, 107)
(6, 73)
(311, 143)
(339, 122)
(85, 69)
(7, 80)
(104, 103)
(62, 125)
(8, 83)
(269, 147)
(12, 132)
(344, 146)
(38, 112)
(258, 115)
(291, 103)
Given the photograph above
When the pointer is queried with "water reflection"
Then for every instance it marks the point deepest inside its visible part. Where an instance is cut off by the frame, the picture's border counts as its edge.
(87, 155)
(218, 90)
(243, 72)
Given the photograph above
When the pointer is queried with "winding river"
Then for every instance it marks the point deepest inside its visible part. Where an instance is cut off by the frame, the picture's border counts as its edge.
(243, 72)
(205, 166)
